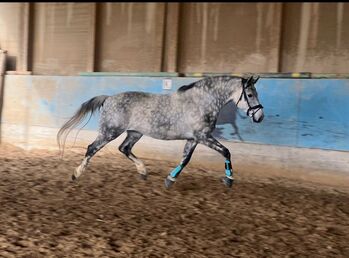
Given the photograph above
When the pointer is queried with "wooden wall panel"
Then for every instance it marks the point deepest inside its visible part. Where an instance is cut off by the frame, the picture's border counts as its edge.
(229, 37)
(68, 38)
(13, 34)
(63, 38)
(130, 37)
(315, 38)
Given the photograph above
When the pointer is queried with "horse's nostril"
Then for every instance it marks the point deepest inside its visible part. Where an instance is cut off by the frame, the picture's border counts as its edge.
(259, 119)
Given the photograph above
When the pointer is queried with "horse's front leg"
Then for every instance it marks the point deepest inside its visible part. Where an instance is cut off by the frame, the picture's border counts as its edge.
(212, 143)
(187, 153)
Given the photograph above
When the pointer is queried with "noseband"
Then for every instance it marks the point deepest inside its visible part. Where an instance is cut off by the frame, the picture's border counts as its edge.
(255, 108)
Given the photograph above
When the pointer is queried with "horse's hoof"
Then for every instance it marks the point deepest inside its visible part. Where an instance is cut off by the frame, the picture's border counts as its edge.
(168, 182)
(73, 178)
(228, 182)
(143, 176)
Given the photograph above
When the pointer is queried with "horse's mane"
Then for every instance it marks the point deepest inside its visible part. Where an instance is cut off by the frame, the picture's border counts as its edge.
(201, 82)
(186, 87)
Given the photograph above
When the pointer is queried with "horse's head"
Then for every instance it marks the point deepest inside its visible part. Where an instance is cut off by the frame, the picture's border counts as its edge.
(248, 99)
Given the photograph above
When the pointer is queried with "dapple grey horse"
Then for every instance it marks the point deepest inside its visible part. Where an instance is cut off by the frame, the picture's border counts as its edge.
(188, 114)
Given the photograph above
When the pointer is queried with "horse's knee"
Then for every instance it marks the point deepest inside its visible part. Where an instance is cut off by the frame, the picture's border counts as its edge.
(226, 153)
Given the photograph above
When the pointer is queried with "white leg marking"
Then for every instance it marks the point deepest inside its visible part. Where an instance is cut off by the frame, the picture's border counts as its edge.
(139, 165)
(80, 169)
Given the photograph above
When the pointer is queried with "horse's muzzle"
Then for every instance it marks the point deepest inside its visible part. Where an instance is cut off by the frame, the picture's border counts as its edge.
(258, 116)
(259, 119)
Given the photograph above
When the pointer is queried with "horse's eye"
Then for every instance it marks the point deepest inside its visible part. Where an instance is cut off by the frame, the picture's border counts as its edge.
(249, 95)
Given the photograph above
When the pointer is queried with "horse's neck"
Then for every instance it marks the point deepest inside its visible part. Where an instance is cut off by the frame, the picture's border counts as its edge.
(212, 99)
(220, 96)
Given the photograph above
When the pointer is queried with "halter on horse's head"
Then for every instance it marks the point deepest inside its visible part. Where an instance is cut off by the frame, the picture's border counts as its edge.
(250, 96)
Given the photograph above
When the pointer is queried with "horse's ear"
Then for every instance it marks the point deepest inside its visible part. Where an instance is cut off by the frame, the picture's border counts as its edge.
(247, 79)
(255, 78)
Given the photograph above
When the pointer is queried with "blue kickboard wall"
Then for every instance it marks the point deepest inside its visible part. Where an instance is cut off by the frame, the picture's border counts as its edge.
(310, 113)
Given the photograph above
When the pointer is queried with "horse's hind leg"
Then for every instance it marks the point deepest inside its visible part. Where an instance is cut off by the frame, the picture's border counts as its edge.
(126, 147)
(92, 149)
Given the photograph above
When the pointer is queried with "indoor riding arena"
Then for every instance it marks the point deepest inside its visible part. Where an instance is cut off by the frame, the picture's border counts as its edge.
(290, 196)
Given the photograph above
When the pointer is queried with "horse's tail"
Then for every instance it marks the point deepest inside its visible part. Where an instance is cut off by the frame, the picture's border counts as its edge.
(89, 106)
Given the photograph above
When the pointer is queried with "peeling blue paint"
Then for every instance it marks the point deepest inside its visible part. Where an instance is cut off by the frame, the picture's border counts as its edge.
(311, 113)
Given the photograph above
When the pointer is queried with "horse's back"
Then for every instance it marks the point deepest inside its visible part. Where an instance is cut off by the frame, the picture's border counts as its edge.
(128, 100)
(133, 107)
(156, 115)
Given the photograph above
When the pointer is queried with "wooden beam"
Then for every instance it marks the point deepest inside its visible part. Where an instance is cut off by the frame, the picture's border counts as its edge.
(130, 74)
(280, 11)
(3, 54)
(171, 27)
(23, 53)
(90, 66)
